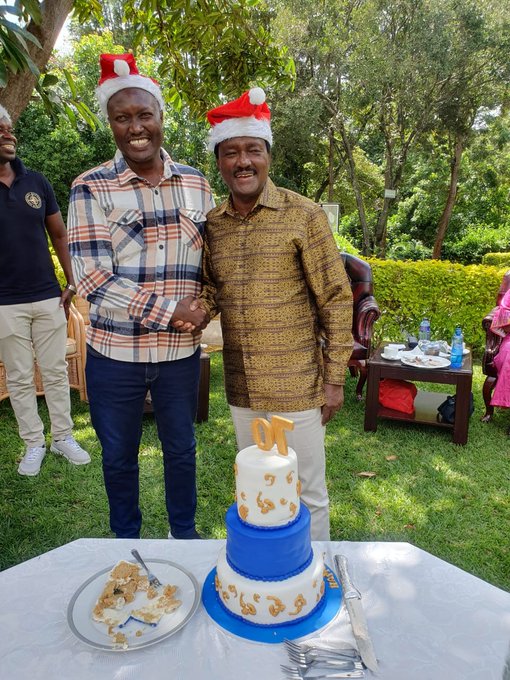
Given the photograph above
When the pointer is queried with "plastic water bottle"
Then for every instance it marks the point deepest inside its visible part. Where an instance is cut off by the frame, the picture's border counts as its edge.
(424, 331)
(457, 348)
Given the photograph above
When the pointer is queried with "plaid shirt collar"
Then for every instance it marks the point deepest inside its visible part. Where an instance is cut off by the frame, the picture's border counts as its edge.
(126, 175)
(269, 197)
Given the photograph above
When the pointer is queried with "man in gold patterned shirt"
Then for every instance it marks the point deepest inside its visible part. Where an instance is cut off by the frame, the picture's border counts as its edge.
(273, 270)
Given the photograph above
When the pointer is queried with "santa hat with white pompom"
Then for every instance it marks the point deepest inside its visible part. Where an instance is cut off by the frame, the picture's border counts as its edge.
(118, 72)
(248, 116)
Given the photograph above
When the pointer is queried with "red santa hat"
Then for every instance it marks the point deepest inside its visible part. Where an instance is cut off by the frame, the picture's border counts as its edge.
(248, 116)
(118, 72)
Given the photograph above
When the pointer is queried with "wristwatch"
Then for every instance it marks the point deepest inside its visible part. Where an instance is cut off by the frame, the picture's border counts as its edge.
(73, 289)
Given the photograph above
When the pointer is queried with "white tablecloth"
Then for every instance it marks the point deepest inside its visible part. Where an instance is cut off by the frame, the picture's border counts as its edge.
(428, 619)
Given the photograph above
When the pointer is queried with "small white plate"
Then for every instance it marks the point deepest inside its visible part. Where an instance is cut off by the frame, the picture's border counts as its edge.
(79, 611)
(396, 358)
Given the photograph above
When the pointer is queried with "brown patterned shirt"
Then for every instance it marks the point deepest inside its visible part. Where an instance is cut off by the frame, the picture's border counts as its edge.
(278, 280)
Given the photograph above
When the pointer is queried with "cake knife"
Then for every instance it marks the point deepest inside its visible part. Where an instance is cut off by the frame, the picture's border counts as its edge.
(352, 598)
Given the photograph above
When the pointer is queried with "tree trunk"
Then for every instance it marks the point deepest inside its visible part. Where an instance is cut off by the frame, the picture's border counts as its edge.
(16, 94)
(451, 198)
(381, 229)
(351, 165)
(331, 166)
(325, 183)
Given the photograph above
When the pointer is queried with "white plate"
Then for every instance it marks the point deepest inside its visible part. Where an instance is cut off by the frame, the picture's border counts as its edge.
(79, 611)
(390, 358)
(424, 361)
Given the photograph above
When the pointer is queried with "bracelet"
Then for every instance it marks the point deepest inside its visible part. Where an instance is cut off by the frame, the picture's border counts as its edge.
(73, 289)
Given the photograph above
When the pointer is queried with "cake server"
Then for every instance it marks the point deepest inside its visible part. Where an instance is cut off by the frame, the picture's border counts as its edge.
(352, 598)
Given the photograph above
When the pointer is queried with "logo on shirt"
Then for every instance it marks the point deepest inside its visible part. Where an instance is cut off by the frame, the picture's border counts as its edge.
(33, 199)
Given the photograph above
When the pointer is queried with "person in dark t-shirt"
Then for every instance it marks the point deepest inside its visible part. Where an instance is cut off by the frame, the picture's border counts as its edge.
(33, 308)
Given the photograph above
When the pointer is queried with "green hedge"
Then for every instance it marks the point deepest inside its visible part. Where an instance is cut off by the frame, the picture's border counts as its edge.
(497, 259)
(446, 293)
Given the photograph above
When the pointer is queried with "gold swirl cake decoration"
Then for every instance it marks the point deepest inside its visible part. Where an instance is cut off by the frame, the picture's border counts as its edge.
(247, 609)
(314, 584)
(283, 501)
(292, 508)
(270, 479)
(243, 496)
(233, 590)
(290, 477)
(225, 595)
(322, 588)
(217, 583)
(277, 607)
(299, 603)
(265, 505)
(256, 597)
(298, 487)
(243, 511)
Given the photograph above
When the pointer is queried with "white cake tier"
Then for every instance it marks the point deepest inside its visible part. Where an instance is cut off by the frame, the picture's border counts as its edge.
(267, 486)
(270, 602)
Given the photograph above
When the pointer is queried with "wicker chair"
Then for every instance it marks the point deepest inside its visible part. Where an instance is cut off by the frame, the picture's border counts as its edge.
(365, 313)
(492, 345)
(75, 357)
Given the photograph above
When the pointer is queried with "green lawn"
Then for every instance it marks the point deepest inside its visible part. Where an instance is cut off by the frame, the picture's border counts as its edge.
(453, 501)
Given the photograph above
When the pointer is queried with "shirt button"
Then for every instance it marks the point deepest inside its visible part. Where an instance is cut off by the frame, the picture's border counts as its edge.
(156, 192)
(161, 246)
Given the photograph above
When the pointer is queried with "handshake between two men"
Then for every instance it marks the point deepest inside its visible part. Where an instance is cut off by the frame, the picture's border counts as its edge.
(190, 316)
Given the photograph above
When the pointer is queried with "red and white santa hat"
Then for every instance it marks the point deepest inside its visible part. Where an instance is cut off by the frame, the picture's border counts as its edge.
(118, 72)
(248, 116)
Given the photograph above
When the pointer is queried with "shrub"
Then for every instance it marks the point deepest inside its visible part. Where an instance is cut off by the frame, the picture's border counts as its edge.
(344, 245)
(496, 259)
(478, 241)
(58, 269)
(446, 293)
(408, 249)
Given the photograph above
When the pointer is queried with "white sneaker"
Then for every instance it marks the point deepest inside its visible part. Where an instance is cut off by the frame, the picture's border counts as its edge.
(30, 464)
(70, 449)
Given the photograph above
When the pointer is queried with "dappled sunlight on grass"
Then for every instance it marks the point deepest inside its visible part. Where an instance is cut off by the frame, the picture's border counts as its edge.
(151, 452)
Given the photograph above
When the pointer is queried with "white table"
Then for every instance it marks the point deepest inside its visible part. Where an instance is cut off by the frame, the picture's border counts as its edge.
(428, 619)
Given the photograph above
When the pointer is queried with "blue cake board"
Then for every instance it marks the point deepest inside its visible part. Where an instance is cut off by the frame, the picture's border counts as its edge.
(320, 618)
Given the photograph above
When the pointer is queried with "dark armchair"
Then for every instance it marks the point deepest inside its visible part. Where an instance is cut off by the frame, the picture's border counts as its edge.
(365, 314)
(492, 345)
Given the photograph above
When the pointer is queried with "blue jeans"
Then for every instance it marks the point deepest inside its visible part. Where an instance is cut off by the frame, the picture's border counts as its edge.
(117, 391)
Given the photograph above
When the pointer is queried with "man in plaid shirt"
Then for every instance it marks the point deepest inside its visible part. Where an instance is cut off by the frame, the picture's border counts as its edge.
(135, 234)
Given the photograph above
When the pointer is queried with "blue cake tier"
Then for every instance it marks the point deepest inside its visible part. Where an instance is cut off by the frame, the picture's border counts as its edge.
(268, 554)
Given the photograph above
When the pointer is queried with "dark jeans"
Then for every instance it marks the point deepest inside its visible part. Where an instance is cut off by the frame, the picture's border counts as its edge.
(117, 391)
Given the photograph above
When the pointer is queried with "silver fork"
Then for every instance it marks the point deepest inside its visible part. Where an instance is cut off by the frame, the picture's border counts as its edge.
(310, 653)
(326, 662)
(295, 673)
(153, 580)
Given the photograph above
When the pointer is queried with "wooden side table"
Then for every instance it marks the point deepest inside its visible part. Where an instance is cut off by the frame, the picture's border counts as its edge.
(425, 403)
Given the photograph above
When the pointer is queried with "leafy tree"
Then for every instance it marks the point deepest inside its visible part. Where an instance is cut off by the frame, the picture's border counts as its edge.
(384, 82)
(479, 74)
(26, 49)
(481, 218)
(205, 49)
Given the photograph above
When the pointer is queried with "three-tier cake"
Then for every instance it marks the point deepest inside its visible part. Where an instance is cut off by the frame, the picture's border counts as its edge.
(268, 574)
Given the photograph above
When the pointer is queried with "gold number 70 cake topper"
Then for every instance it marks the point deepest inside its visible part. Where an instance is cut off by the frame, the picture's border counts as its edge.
(266, 433)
